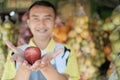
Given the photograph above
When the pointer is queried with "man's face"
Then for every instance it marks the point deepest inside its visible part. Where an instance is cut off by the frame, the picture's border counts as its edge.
(41, 21)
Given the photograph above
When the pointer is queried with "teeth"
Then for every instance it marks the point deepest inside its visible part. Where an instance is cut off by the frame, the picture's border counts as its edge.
(42, 30)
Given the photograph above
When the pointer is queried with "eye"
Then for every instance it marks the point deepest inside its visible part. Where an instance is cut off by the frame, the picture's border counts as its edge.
(47, 18)
(35, 18)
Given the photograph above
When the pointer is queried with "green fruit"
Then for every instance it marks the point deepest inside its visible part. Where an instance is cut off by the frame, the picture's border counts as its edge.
(116, 19)
(113, 56)
(114, 36)
(116, 46)
(99, 22)
(108, 26)
(117, 62)
(7, 25)
(84, 43)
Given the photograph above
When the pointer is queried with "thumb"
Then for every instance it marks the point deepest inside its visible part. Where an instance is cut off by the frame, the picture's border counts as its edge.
(56, 53)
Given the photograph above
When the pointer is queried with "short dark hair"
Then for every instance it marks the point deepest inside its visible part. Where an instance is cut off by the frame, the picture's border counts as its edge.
(43, 3)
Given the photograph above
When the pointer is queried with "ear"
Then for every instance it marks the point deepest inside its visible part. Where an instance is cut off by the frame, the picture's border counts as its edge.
(28, 21)
(55, 24)
(56, 21)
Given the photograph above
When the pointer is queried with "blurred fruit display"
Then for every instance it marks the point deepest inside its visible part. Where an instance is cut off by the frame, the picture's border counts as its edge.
(101, 39)
(115, 54)
(21, 4)
(61, 30)
(74, 31)
(93, 39)
(24, 32)
(66, 9)
(80, 38)
(2, 57)
(64, 20)
(8, 31)
(110, 35)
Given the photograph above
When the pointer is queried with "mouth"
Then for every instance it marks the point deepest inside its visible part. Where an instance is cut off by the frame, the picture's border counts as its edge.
(42, 30)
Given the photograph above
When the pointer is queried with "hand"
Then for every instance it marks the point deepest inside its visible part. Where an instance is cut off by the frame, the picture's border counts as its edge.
(45, 60)
(83, 76)
(18, 55)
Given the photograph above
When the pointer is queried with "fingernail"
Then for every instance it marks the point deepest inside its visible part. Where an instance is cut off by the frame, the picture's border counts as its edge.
(42, 62)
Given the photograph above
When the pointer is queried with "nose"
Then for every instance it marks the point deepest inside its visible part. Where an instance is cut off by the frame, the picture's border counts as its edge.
(41, 23)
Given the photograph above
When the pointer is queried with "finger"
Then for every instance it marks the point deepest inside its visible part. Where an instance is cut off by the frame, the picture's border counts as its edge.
(17, 59)
(56, 53)
(20, 60)
(13, 58)
(36, 64)
(47, 58)
(11, 46)
(25, 63)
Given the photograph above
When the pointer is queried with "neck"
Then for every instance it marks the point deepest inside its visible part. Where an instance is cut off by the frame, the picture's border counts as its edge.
(42, 44)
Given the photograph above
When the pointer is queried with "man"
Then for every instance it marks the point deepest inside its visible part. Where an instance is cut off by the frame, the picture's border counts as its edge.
(57, 62)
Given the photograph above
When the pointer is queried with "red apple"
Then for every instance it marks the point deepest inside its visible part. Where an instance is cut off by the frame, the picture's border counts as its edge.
(32, 54)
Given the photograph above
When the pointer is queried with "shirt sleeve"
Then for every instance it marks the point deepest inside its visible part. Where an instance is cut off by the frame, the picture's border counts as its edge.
(72, 67)
(9, 69)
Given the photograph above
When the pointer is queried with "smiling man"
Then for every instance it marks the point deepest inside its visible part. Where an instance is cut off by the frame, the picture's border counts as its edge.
(57, 62)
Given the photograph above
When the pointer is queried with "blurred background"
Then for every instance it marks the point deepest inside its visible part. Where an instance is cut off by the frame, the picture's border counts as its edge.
(90, 27)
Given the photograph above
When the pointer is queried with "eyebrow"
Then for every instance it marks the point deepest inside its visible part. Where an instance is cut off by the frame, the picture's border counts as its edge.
(48, 15)
(34, 15)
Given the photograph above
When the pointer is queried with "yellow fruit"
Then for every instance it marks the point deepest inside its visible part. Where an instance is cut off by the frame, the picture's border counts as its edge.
(86, 19)
(78, 29)
(7, 25)
(116, 19)
(76, 46)
(80, 20)
(72, 34)
(87, 49)
(88, 61)
(93, 52)
(78, 39)
(85, 26)
(85, 34)
(91, 44)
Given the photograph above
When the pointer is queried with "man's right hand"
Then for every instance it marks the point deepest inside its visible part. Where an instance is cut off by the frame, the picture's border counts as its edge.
(18, 56)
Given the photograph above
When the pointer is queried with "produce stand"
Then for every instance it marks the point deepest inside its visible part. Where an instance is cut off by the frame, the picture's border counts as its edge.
(88, 26)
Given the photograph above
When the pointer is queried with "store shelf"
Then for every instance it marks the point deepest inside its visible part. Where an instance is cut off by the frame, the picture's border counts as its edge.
(9, 10)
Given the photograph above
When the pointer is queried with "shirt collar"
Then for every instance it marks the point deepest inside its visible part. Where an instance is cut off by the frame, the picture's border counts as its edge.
(49, 48)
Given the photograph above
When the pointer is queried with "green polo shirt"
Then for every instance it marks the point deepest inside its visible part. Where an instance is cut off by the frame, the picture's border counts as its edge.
(71, 67)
